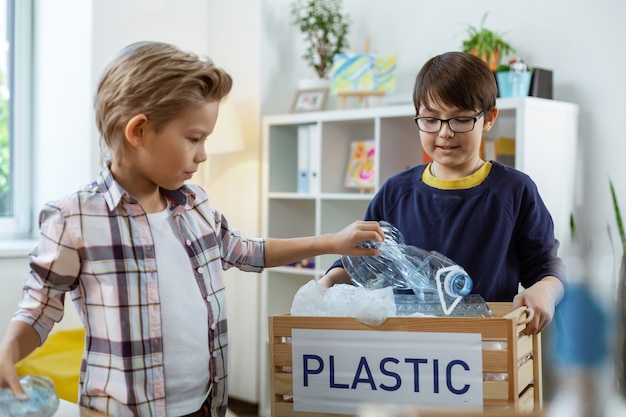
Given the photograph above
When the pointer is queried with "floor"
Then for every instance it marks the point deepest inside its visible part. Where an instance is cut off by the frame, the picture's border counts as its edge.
(239, 408)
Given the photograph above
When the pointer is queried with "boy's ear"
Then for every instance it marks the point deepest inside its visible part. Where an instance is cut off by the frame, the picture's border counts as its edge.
(490, 119)
(136, 129)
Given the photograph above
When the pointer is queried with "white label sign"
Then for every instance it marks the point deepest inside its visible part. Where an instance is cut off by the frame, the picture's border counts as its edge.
(337, 371)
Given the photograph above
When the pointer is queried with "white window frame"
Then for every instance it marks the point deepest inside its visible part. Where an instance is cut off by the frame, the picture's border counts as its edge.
(20, 224)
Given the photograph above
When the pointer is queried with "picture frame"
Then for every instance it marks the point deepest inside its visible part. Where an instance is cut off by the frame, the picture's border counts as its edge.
(309, 100)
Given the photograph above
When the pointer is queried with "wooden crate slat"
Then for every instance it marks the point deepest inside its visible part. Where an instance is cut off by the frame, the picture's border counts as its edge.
(283, 384)
(495, 407)
(491, 328)
(538, 372)
(526, 401)
(525, 375)
(524, 347)
(500, 309)
(495, 361)
(282, 355)
(495, 390)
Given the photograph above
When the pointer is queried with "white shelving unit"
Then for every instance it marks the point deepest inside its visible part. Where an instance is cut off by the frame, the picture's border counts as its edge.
(545, 133)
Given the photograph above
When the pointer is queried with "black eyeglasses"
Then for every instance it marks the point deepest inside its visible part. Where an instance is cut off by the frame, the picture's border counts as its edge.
(456, 124)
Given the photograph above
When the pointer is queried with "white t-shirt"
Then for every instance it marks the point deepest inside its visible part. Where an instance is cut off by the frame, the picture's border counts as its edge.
(184, 320)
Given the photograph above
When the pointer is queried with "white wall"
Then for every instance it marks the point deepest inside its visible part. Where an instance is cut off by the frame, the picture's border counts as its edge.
(62, 101)
(254, 40)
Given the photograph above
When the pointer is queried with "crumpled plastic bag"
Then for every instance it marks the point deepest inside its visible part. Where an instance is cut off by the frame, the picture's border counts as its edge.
(42, 402)
(368, 306)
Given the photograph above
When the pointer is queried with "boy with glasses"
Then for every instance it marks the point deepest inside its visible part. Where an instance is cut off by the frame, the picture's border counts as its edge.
(486, 216)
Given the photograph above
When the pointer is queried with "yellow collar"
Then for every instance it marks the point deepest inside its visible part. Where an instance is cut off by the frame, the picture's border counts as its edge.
(470, 181)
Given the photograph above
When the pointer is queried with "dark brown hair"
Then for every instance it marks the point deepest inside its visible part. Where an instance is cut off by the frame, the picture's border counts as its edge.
(156, 79)
(455, 79)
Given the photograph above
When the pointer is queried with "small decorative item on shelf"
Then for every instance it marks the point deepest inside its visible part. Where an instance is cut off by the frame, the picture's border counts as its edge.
(486, 44)
(541, 83)
(313, 99)
(514, 80)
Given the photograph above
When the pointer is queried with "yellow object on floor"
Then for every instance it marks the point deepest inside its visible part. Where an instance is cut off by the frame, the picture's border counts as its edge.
(58, 359)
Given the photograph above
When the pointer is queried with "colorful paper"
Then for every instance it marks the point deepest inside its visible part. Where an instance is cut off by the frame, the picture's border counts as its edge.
(363, 72)
(361, 171)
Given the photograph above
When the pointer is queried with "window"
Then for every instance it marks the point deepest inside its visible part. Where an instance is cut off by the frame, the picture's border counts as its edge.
(15, 117)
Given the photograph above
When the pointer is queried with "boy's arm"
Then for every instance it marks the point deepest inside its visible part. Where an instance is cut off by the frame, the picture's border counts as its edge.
(542, 297)
(345, 242)
(335, 276)
(19, 340)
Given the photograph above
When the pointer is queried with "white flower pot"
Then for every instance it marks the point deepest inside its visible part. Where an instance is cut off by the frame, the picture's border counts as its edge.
(313, 83)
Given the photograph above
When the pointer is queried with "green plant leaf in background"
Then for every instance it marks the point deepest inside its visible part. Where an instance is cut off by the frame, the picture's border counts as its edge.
(618, 217)
(325, 30)
(486, 44)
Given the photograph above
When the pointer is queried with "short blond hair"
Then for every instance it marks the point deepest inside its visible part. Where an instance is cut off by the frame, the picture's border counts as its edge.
(156, 79)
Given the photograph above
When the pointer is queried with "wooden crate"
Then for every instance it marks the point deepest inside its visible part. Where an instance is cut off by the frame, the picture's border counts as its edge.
(521, 392)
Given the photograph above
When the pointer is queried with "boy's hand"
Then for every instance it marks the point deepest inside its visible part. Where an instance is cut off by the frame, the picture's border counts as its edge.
(10, 379)
(348, 241)
(18, 341)
(542, 297)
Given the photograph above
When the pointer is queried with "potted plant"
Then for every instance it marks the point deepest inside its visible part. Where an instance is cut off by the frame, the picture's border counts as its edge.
(486, 44)
(325, 30)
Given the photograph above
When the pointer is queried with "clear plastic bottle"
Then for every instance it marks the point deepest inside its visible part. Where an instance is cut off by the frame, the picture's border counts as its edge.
(42, 401)
(421, 279)
(430, 271)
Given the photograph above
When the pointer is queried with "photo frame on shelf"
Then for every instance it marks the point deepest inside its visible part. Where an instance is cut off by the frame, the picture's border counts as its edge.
(309, 100)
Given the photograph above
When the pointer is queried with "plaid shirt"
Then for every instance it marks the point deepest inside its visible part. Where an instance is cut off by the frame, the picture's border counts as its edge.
(96, 244)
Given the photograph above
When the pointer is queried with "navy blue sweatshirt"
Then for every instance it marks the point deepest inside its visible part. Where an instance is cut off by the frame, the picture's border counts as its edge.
(499, 230)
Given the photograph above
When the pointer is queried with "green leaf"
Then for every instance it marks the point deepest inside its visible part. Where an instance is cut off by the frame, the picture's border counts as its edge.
(484, 42)
(325, 30)
(618, 216)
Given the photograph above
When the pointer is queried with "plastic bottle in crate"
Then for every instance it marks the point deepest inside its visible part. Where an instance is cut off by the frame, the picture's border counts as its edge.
(423, 281)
